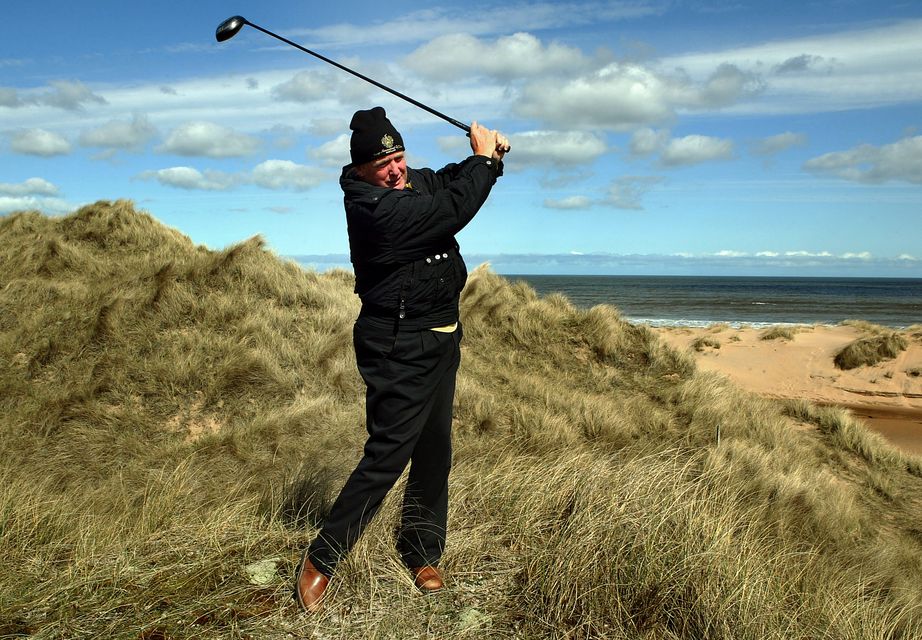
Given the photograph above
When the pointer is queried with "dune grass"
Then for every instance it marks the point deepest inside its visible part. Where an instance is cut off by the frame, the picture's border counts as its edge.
(172, 416)
(871, 350)
(780, 332)
(703, 342)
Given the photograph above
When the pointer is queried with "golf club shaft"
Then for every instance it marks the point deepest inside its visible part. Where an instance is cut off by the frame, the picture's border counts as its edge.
(419, 104)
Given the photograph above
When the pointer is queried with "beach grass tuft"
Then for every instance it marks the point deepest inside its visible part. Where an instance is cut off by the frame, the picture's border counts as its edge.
(702, 342)
(871, 350)
(175, 420)
(780, 332)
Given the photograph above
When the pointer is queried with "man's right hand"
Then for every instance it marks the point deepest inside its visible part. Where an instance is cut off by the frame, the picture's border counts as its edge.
(488, 142)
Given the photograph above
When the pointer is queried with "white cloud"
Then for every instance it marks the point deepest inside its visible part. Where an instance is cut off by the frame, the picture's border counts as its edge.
(63, 94)
(334, 153)
(314, 85)
(569, 203)
(802, 63)
(725, 86)
(32, 194)
(858, 68)
(426, 23)
(120, 134)
(29, 203)
(563, 179)
(39, 142)
(31, 187)
(9, 97)
(778, 143)
(646, 141)
(625, 95)
(209, 139)
(696, 149)
(324, 127)
(271, 174)
(807, 254)
(68, 95)
(520, 55)
(729, 261)
(618, 96)
(627, 192)
(900, 161)
(192, 179)
(554, 148)
(282, 136)
(305, 86)
(284, 174)
(800, 255)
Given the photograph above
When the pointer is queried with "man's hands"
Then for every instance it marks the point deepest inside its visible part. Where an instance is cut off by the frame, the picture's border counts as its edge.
(488, 142)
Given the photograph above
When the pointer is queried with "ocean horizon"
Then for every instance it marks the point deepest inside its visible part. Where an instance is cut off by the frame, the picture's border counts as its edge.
(695, 301)
(741, 300)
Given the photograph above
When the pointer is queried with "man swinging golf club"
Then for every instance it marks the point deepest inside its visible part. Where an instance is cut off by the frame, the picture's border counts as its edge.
(409, 275)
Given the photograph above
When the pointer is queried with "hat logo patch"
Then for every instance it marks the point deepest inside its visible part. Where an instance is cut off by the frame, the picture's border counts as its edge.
(387, 141)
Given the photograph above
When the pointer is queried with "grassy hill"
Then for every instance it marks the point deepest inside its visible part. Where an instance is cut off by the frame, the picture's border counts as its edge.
(174, 420)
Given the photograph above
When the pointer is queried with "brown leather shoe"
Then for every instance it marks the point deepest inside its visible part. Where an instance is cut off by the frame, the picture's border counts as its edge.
(427, 579)
(309, 586)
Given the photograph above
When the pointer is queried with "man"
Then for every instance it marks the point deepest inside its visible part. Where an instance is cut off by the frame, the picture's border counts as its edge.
(409, 275)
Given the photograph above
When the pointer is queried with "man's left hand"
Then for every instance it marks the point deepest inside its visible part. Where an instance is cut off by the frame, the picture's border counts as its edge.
(502, 146)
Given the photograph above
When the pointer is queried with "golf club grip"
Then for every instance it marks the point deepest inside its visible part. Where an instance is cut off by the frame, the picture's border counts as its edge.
(417, 103)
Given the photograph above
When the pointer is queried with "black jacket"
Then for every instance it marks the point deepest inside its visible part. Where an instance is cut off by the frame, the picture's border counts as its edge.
(402, 242)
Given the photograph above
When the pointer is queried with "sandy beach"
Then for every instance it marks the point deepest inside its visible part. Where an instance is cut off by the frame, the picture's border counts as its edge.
(887, 396)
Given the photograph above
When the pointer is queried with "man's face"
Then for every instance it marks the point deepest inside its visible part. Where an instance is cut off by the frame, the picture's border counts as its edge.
(389, 172)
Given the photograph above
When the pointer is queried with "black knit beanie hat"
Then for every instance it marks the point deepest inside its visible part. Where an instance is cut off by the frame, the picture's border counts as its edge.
(373, 136)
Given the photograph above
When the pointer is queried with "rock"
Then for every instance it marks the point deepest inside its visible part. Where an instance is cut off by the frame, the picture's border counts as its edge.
(262, 572)
(471, 619)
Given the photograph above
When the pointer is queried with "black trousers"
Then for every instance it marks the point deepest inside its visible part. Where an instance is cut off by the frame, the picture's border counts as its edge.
(410, 386)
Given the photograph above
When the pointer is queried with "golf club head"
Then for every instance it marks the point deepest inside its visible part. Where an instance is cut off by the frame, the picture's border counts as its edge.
(229, 28)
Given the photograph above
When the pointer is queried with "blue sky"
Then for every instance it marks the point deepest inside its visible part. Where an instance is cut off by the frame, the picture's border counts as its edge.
(648, 137)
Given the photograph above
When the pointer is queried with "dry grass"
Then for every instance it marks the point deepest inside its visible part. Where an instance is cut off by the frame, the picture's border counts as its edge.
(780, 332)
(703, 342)
(174, 417)
(871, 350)
(865, 327)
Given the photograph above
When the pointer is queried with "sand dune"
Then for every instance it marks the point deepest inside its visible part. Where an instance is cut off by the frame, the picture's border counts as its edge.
(888, 396)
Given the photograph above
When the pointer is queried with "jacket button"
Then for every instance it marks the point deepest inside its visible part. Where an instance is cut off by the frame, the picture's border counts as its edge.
(444, 255)
(438, 257)
(428, 260)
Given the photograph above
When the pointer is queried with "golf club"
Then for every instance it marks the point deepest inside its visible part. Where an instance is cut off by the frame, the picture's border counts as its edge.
(229, 28)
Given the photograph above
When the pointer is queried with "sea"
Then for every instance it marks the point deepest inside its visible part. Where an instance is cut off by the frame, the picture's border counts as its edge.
(694, 301)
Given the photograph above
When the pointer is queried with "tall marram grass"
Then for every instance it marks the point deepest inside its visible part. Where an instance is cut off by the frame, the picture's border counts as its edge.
(174, 416)
(871, 350)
